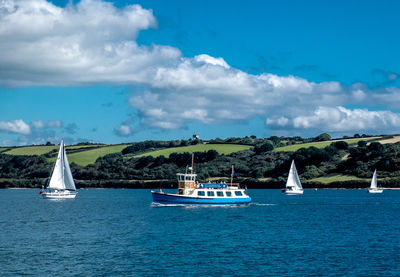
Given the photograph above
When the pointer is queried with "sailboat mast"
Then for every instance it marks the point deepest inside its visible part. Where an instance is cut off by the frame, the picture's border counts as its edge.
(62, 163)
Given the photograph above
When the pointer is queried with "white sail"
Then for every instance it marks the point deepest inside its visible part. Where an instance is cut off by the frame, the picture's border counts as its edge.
(61, 178)
(374, 184)
(293, 180)
(68, 179)
(57, 177)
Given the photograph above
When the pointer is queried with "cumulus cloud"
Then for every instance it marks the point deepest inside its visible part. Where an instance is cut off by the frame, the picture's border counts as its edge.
(17, 126)
(340, 119)
(123, 130)
(40, 124)
(42, 44)
(38, 132)
(94, 42)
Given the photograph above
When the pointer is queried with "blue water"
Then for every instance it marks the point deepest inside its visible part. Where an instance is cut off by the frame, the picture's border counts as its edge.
(120, 233)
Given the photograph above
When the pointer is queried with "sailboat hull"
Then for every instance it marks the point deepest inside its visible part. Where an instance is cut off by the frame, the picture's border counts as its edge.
(375, 190)
(293, 192)
(59, 195)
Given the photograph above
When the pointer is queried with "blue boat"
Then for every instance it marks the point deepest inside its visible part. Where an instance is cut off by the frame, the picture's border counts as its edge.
(192, 192)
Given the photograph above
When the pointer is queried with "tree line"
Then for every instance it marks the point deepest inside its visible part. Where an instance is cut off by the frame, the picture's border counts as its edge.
(258, 166)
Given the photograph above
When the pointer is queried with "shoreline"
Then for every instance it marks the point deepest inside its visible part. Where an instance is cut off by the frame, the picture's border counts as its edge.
(306, 189)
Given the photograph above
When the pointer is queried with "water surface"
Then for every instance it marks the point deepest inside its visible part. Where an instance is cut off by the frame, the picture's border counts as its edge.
(119, 232)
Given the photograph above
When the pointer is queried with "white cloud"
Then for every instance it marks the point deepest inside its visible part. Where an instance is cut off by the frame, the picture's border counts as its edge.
(123, 130)
(340, 119)
(281, 121)
(94, 42)
(17, 126)
(40, 124)
(211, 60)
(54, 124)
(91, 42)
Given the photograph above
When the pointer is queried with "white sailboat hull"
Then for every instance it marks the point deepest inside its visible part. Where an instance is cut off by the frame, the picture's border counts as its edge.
(293, 192)
(59, 195)
(375, 190)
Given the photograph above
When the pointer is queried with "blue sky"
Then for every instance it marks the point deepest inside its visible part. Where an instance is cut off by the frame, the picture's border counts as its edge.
(129, 71)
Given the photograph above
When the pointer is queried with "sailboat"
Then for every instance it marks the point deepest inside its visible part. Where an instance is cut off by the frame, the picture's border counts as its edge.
(61, 185)
(374, 185)
(293, 184)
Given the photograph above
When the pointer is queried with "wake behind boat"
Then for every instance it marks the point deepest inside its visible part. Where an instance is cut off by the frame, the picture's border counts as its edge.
(293, 184)
(61, 185)
(374, 185)
(192, 192)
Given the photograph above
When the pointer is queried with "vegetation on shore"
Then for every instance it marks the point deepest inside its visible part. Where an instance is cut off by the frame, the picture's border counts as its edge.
(259, 162)
(323, 144)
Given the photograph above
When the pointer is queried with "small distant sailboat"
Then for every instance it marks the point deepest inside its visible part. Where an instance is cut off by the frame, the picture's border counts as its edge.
(61, 185)
(293, 184)
(374, 185)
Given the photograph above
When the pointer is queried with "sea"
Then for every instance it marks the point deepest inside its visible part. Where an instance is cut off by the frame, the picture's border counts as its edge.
(120, 232)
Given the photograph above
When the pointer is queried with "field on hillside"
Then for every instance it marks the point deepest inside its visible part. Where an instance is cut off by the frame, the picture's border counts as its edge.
(320, 144)
(224, 149)
(395, 139)
(337, 178)
(31, 150)
(84, 158)
(41, 149)
(2, 149)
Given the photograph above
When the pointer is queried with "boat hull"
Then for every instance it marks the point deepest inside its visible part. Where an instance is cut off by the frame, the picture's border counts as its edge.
(161, 197)
(293, 192)
(59, 195)
(375, 190)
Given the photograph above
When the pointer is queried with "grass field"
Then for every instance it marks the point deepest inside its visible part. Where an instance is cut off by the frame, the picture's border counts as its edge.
(220, 148)
(337, 178)
(31, 150)
(84, 158)
(40, 149)
(3, 149)
(321, 144)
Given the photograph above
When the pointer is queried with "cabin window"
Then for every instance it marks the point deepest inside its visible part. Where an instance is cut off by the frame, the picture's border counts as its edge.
(200, 193)
(210, 193)
(228, 193)
(238, 193)
(220, 193)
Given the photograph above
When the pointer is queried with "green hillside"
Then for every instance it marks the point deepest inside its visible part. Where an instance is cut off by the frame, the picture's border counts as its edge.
(31, 150)
(224, 149)
(3, 149)
(84, 158)
(337, 178)
(42, 149)
(320, 144)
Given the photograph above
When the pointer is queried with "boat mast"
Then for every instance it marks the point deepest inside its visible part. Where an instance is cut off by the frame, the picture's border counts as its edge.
(232, 175)
(191, 169)
(62, 162)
